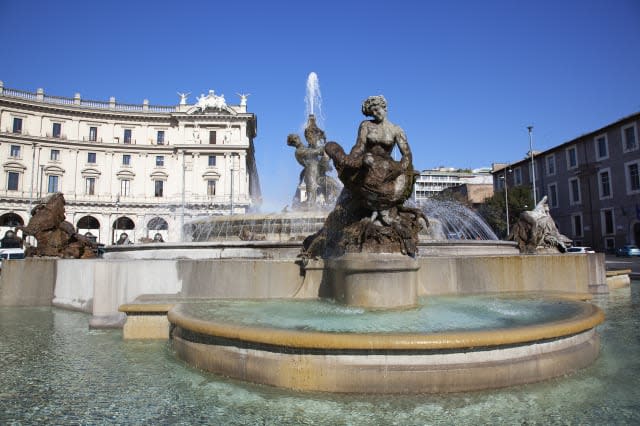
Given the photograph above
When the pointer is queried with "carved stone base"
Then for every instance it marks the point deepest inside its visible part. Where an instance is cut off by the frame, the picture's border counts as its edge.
(374, 280)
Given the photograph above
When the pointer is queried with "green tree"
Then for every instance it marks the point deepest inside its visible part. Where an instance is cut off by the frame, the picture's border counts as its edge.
(493, 209)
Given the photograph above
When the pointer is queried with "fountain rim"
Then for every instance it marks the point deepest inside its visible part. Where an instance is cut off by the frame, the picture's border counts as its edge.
(587, 318)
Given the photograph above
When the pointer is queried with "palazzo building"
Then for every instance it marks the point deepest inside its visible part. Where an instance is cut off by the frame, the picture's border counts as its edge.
(592, 184)
(139, 169)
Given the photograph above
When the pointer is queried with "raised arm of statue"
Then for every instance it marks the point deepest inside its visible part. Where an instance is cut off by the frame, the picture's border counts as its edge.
(403, 146)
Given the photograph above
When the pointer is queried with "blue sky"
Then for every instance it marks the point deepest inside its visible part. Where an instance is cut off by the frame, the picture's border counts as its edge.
(463, 78)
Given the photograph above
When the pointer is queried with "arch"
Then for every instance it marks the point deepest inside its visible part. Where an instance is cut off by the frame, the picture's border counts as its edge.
(158, 227)
(88, 222)
(123, 225)
(11, 220)
(157, 224)
(89, 226)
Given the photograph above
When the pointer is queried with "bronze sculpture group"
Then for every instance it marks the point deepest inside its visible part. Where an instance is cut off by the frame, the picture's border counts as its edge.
(320, 190)
(370, 215)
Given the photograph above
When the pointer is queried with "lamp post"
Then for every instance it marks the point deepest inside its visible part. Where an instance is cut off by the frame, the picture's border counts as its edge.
(506, 196)
(533, 165)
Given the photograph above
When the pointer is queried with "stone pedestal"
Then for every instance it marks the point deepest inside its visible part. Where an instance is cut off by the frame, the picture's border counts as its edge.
(374, 280)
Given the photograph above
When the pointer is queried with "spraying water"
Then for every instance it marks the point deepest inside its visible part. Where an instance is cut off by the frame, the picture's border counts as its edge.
(313, 98)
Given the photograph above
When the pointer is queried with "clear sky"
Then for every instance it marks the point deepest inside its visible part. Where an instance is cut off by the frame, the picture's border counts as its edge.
(463, 78)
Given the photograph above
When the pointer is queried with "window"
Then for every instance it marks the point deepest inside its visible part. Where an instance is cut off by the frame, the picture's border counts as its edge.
(212, 160)
(55, 155)
(517, 176)
(159, 188)
(572, 158)
(632, 171)
(126, 159)
(551, 165)
(93, 134)
(56, 130)
(608, 225)
(576, 222)
(212, 137)
(159, 160)
(53, 184)
(609, 243)
(91, 157)
(15, 151)
(125, 187)
(604, 184)
(602, 147)
(127, 136)
(17, 125)
(90, 186)
(629, 139)
(211, 187)
(12, 181)
(553, 195)
(160, 137)
(574, 191)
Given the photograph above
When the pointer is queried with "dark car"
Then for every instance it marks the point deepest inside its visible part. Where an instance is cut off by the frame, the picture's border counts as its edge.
(627, 251)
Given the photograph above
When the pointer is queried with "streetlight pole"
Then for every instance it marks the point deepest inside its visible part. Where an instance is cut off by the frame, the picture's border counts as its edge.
(533, 165)
(506, 199)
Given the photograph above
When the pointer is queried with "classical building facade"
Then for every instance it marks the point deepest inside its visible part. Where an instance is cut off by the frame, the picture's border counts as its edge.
(592, 184)
(139, 169)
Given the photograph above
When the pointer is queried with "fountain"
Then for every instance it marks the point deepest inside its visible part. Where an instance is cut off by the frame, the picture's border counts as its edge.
(374, 330)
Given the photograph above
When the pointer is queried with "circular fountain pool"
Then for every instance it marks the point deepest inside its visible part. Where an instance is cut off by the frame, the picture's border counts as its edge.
(448, 344)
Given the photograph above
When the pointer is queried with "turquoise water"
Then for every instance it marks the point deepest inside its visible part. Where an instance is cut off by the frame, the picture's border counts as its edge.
(55, 370)
(435, 314)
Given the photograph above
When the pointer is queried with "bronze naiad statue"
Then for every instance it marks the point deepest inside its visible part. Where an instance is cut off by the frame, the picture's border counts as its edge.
(321, 189)
(536, 232)
(370, 215)
(56, 237)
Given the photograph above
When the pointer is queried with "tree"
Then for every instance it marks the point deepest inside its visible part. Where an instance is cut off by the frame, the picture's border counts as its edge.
(493, 209)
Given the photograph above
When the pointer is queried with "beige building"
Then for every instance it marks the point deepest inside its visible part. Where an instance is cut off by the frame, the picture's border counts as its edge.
(432, 181)
(139, 169)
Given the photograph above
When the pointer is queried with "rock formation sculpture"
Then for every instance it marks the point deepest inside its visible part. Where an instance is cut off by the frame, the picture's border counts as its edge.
(321, 190)
(370, 215)
(536, 232)
(55, 236)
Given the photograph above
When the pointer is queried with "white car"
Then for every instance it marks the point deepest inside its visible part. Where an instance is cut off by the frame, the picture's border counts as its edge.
(578, 249)
(11, 253)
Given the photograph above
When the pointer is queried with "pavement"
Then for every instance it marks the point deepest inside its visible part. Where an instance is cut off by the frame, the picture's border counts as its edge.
(612, 262)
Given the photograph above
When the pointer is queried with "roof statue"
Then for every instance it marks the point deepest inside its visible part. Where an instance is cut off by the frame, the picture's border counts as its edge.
(243, 98)
(210, 101)
(183, 97)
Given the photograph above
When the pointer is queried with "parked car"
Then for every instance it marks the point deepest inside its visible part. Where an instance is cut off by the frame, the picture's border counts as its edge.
(579, 249)
(627, 251)
(11, 253)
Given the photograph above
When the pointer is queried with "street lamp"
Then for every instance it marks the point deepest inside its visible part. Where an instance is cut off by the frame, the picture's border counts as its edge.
(533, 166)
(506, 195)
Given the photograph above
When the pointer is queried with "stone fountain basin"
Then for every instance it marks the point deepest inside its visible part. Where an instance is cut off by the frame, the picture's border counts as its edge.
(228, 338)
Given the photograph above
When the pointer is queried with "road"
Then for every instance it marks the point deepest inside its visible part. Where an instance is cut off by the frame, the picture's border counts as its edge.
(633, 263)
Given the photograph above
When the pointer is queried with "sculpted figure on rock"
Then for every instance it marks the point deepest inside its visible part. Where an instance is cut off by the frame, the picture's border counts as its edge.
(55, 236)
(370, 215)
(536, 231)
